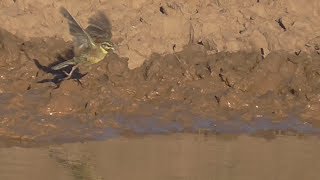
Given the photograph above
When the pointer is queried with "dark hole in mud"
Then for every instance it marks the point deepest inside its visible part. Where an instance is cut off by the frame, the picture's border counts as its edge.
(262, 53)
(200, 43)
(292, 91)
(163, 10)
(174, 47)
(29, 87)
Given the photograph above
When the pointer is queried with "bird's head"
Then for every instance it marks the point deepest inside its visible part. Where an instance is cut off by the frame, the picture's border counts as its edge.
(107, 46)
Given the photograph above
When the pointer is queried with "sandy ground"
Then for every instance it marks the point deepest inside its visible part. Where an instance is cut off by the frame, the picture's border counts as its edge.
(178, 64)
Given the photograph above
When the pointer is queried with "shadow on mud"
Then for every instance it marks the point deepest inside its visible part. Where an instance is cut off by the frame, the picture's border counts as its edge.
(59, 75)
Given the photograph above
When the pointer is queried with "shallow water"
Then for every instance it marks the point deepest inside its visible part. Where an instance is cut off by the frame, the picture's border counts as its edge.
(178, 156)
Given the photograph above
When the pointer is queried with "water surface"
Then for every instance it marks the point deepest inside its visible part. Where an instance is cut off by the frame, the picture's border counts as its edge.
(170, 157)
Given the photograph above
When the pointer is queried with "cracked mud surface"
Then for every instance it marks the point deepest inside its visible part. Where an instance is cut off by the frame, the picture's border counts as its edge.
(168, 93)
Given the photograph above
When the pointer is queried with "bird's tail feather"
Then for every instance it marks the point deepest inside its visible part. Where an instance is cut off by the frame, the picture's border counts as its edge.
(63, 64)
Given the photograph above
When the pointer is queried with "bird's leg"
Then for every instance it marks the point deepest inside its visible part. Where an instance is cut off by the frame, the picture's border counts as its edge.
(69, 75)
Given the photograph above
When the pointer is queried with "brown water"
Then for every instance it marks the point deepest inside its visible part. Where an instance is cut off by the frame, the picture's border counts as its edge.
(178, 156)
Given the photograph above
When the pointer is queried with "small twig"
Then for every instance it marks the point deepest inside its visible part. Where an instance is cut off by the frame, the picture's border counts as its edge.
(279, 21)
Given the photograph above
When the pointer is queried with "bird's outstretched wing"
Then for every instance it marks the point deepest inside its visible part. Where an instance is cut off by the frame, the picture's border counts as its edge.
(100, 28)
(82, 39)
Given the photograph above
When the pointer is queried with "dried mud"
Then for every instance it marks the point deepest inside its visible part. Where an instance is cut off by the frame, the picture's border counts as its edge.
(188, 91)
(143, 27)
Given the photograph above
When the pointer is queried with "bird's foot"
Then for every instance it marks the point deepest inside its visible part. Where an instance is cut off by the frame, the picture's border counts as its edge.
(69, 75)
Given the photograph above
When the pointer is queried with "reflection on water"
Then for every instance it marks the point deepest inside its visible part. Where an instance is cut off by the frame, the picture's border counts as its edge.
(182, 156)
(74, 160)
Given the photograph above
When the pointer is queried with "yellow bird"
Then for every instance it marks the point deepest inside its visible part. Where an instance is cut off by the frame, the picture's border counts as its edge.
(91, 45)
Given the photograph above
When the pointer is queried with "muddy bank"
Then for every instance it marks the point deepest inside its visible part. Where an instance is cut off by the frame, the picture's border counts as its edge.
(181, 92)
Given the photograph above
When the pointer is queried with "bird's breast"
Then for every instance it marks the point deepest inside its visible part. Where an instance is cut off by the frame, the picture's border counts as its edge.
(96, 55)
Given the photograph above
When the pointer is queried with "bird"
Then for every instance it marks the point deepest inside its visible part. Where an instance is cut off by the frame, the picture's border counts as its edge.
(90, 45)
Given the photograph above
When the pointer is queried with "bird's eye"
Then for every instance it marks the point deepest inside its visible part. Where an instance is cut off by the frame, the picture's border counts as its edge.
(107, 45)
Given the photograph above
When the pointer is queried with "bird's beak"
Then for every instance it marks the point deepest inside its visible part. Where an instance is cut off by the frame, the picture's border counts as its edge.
(115, 49)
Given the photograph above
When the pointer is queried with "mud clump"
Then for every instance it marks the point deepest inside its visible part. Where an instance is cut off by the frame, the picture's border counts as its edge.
(168, 91)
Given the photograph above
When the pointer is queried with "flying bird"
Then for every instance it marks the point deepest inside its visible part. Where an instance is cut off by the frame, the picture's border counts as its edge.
(91, 45)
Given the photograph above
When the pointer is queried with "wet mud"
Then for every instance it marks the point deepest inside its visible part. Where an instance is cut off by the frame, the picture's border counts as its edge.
(191, 90)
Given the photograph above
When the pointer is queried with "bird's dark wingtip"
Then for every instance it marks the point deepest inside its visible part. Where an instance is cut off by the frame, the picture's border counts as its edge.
(64, 11)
